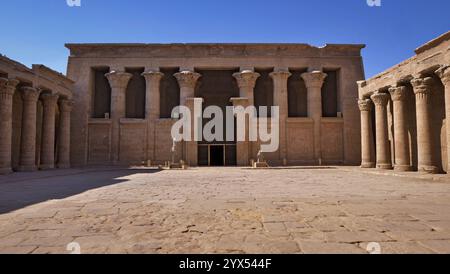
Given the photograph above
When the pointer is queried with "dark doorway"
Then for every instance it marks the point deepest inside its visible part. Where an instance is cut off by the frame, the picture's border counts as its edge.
(217, 156)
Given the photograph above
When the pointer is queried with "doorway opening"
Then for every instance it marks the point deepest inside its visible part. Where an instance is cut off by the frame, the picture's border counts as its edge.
(217, 156)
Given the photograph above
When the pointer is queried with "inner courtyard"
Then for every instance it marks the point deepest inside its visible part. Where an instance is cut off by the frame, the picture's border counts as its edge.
(226, 210)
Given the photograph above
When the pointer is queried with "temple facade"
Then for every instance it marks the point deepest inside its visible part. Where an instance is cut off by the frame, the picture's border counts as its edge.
(125, 93)
(35, 108)
(405, 110)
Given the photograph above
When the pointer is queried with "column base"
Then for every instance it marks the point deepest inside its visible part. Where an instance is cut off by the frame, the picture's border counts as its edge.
(6, 171)
(46, 167)
(384, 166)
(404, 168)
(27, 168)
(368, 165)
(429, 169)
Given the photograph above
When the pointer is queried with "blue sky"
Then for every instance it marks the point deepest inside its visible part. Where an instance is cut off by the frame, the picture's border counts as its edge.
(35, 31)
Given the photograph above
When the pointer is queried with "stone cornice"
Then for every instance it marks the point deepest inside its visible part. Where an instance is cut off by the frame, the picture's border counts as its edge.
(38, 75)
(187, 79)
(433, 43)
(213, 49)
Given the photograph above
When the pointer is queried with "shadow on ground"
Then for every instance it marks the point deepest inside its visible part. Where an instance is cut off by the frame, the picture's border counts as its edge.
(19, 194)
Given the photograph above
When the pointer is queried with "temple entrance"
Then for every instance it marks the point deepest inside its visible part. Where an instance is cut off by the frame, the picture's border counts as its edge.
(217, 155)
(217, 87)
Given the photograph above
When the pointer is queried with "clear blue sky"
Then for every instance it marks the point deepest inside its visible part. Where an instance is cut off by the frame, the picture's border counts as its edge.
(35, 31)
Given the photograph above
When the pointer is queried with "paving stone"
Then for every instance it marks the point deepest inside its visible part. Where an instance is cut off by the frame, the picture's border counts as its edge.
(228, 210)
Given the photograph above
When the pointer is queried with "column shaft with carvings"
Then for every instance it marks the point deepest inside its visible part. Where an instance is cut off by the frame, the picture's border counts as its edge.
(30, 97)
(7, 89)
(402, 151)
(423, 88)
(314, 81)
(367, 142)
(118, 82)
(384, 160)
(65, 108)
(152, 108)
(444, 74)
(242, 146)
(187, 80)
(280, 81)
(246, 81)
(49, 103)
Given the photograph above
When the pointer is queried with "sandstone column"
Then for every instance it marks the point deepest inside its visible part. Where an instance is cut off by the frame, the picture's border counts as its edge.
(187, 80)
(402, 153)
(7, 89)
(423, 89)
(280, 78)
(119, 82)
(153, 81)
(384, 160)
(367, 145)
(49, 102)
(242, 147)
(444, 74)
(152, 108)
(314, 81)
(246, 81)
(30, 97)
(191, 147)
(65, 108)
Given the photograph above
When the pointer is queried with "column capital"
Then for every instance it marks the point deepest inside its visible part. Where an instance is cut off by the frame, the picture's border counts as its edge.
(365, 105)
(153, 75)
(49, 99)
(422, 85)
(380, 99)
(65, 105)
(30, 93)
(3, 82)
(280, 74)
(8, 86)
(246, 78)
(314, 79)
(444, 74)
(187, 79)
(118, 79)
(398, 93)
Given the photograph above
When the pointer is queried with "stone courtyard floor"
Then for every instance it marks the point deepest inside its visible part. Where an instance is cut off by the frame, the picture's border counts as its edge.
(224, 210)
